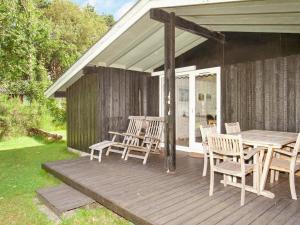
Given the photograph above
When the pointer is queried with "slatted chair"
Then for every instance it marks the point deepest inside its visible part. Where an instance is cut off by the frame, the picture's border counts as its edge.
(205, 131)
(235, 128)
(232, 128)
(229, 146)
(150, 142)
(134, 129)
(287, 164)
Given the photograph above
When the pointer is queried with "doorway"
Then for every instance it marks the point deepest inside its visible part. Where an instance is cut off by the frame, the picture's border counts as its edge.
(198, 95)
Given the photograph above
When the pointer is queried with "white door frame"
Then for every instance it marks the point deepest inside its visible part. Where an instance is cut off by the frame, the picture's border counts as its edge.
(192, 72)
(194, 146)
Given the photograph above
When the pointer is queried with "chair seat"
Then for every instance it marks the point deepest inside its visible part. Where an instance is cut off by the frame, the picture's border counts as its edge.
(282, 165)
(138, 148)
(233, 168)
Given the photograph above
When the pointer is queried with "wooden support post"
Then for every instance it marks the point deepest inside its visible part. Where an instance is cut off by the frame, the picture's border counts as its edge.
(169, 96)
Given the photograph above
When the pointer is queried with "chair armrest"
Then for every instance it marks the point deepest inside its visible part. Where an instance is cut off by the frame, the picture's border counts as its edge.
(252, 152)
(153, 138)
(284, 152)
(115, 133)
(291, 145)
(133, 135)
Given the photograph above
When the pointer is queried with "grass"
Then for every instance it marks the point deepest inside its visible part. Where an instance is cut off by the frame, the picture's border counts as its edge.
(21, 175)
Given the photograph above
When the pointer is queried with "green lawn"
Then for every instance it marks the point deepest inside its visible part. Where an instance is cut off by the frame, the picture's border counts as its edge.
(21, 175)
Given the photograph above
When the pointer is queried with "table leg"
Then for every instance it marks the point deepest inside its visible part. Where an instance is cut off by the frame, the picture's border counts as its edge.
(266, 168)
(256, 173)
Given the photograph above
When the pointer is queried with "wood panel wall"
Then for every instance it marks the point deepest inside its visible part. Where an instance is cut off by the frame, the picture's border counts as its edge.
(260, 78)
(263, 94)
(102, 100)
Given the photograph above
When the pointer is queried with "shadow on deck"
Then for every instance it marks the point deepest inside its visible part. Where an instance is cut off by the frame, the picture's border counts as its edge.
(148, 195)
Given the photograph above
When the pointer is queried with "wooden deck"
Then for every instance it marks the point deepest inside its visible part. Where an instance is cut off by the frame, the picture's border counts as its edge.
(147, 195)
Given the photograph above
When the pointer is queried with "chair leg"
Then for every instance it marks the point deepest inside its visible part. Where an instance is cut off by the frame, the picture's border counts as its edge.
(146, 157)
(212, 178)
(124, 153)
(108, 151)
(234, 179)
(225, 177)
(272, 176)
(243, 190)
(292, 185)
(127, 153)
(100, 155)
(92, 154)
(277, 175)
(205, 165)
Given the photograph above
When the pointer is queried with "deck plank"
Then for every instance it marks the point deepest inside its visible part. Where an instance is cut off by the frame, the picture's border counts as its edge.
(63, 198)
(148, 195)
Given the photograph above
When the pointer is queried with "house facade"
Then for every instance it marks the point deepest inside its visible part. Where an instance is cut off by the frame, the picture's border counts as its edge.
(253, 78)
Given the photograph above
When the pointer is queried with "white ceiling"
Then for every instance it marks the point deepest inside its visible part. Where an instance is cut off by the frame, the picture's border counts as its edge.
(140, 46)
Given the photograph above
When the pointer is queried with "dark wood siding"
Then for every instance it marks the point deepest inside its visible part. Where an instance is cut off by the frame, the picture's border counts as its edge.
(103, 99)
(263, 94)
(260, 78)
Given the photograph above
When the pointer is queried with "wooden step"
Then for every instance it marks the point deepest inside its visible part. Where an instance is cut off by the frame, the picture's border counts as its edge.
(63, 198)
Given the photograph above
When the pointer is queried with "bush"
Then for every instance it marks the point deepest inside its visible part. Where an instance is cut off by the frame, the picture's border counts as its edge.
(17, 117)
(57, 110)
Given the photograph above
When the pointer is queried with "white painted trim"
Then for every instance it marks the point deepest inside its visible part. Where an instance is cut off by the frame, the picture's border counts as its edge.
(140, 9)
(178, 71)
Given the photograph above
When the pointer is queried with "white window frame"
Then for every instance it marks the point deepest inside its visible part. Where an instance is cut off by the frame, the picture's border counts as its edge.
(192, 72)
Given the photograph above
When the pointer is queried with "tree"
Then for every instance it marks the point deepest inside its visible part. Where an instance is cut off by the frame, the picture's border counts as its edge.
(75, 29)
(24, 38)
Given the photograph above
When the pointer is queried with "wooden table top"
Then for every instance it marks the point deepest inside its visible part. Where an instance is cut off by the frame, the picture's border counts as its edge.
(277, 139)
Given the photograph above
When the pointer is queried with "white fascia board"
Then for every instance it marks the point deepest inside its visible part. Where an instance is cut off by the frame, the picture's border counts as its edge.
(129, 19)
(177, 70)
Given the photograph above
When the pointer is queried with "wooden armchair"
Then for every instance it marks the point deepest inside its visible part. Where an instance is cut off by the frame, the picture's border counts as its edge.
(287, 164)
(229, 146)
(134, 129)
(205, 131)
(150, 142)
(232, 128)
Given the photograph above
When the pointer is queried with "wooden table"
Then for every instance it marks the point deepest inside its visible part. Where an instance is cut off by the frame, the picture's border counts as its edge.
(271, 140)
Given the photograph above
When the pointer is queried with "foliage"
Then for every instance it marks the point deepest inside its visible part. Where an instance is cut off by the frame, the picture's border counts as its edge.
(16, 118)
(39, 40)
(21, 175)
(24, 40)
(57, 112)
(74, 30)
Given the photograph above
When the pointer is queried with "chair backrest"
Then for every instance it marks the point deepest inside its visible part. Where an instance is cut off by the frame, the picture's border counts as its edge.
(135, 124)
(206, 130)
(226, 145)
(134, 128)
(297, 145)
(296, 149)
(154, 130)
(232, 128)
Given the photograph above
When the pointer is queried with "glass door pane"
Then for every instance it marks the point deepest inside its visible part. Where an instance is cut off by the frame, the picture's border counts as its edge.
(182, 110)
(205, 102)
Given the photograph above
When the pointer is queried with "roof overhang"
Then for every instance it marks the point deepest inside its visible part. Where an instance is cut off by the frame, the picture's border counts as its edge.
(136, 42)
